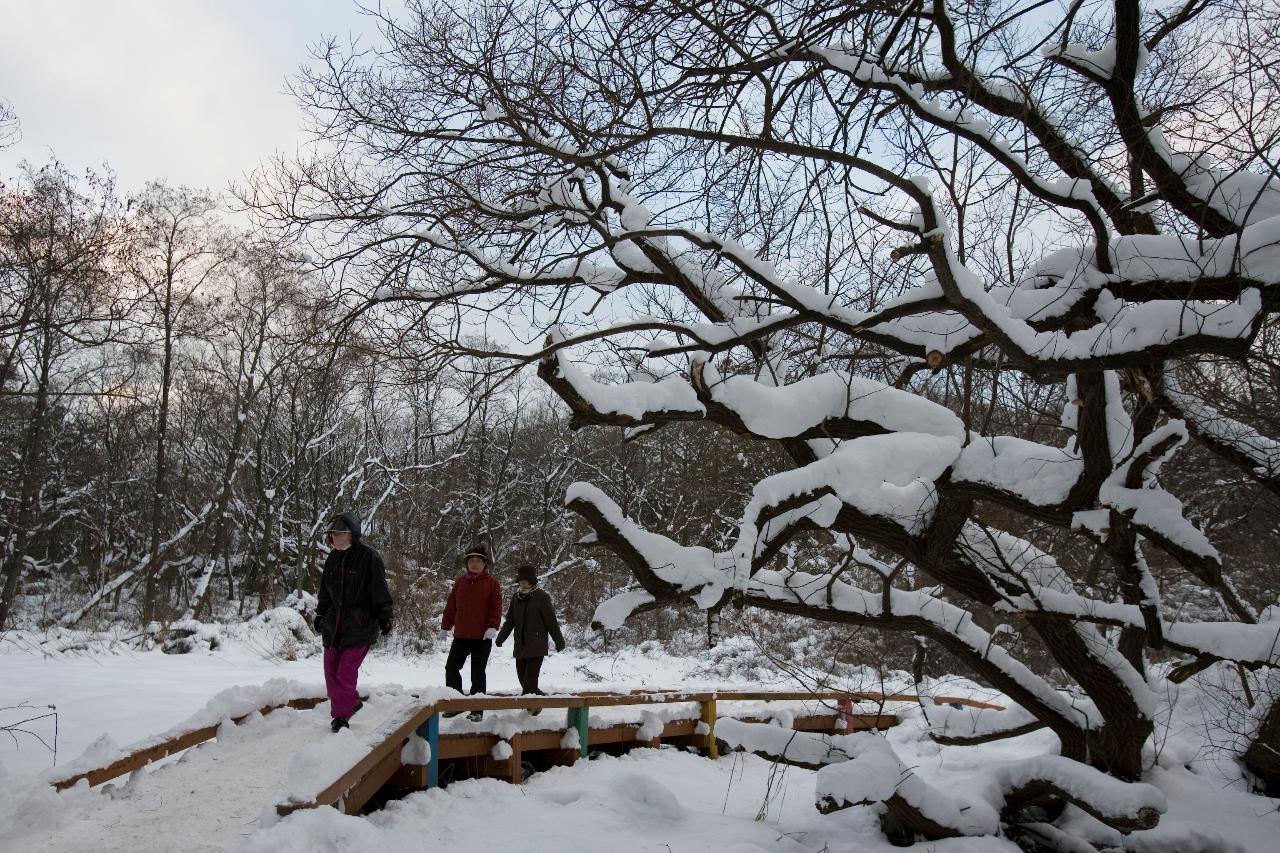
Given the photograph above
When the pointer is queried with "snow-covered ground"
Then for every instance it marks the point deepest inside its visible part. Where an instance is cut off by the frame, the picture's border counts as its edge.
(220, 796)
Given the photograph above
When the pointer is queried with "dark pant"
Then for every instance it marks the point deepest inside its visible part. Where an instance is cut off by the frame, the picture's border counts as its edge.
(478, 650)
(527, 670)
(341, 669)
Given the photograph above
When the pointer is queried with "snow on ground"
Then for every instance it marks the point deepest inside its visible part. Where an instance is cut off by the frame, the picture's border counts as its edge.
(649, 800)
(129, 695)
(218, 791)
(660, 800)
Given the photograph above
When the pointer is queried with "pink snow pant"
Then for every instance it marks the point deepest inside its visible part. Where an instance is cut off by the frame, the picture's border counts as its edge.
(341, 668)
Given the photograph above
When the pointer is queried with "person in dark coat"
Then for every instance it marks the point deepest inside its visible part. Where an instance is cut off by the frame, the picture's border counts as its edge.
(355, 607)
(473, 612)
(530, 620)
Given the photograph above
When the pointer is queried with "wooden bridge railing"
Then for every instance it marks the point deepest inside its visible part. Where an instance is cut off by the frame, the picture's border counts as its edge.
(354, 787)
(142, 757)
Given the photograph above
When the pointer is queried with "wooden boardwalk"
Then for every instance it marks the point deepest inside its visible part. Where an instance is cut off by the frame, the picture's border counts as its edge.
(570, 727)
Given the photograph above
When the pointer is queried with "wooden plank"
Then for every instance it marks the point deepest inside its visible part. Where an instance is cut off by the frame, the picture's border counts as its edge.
(173, 745)
(805, 723)
(509, 703)
(514, 761)
(540, 740)
(815, 723)
(471, 745)
(709, 716)
(141, 758)
(772, 696)
(680, 728)
(836, 696)
(617, 733)
(466, 746)
(563, 757)
(862, 722)
(512, 703)
(826, 722)
(968, 703)
(413, 776)
(370, 764)
(654, 697)
(370, 782)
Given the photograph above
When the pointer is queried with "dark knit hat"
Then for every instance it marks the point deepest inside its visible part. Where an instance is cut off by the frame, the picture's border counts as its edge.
(339, 524)
(477, 551)
(527, 573)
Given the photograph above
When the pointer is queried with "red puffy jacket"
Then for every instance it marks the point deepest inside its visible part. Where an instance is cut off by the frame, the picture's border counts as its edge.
(474, 606)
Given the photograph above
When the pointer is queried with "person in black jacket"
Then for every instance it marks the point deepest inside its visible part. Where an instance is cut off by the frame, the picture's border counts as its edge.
(355, 605)
(530, 619)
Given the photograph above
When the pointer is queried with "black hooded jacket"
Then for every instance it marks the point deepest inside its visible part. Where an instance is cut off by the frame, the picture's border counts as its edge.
(354, 597)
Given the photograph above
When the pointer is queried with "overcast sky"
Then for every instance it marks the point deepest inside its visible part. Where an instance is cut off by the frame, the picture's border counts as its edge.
(188, 90)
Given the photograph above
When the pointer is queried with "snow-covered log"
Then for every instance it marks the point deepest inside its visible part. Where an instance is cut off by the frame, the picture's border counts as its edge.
(862, 769)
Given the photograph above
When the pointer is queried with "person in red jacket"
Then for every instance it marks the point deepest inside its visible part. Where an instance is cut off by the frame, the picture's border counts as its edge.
(474, 613)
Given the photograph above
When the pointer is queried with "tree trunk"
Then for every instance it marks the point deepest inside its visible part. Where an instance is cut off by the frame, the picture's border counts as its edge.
(713, 627)
(160, 483)
(1263, 755)
(32, 468)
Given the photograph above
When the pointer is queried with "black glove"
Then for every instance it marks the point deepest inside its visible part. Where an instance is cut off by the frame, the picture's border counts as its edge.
(559, 647)
(385, 625)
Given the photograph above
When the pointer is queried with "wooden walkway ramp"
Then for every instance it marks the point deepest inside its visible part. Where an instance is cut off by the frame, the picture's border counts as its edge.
(420, 744)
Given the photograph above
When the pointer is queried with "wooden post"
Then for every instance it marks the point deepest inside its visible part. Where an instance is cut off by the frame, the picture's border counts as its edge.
(579, 719)
(844, 705)
(515, 759)
(431, 731)
(709, 717)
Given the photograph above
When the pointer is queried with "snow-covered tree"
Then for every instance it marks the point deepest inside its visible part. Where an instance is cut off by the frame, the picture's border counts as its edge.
(862, 233)
(59, 238)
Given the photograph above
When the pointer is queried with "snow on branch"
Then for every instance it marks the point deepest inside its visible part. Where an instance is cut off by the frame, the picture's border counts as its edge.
(611, 613)
(862, 769)
(966, 726)
(1037, 473)
(1239, 196)
(809, 408)
(1013, 562)
(664, 568)
(1257, 455)
(1149, 507)
(1143, 296)
(1123, 330)
(625, 404)
(1070, 193)
(887, 476)
(923, 614)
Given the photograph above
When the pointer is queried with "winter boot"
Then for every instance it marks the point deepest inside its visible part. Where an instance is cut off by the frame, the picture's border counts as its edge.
(359, 705)
(475, 716)
(338, 723)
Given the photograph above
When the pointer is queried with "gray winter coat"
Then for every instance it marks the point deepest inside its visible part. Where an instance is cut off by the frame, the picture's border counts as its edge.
(530, 618)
